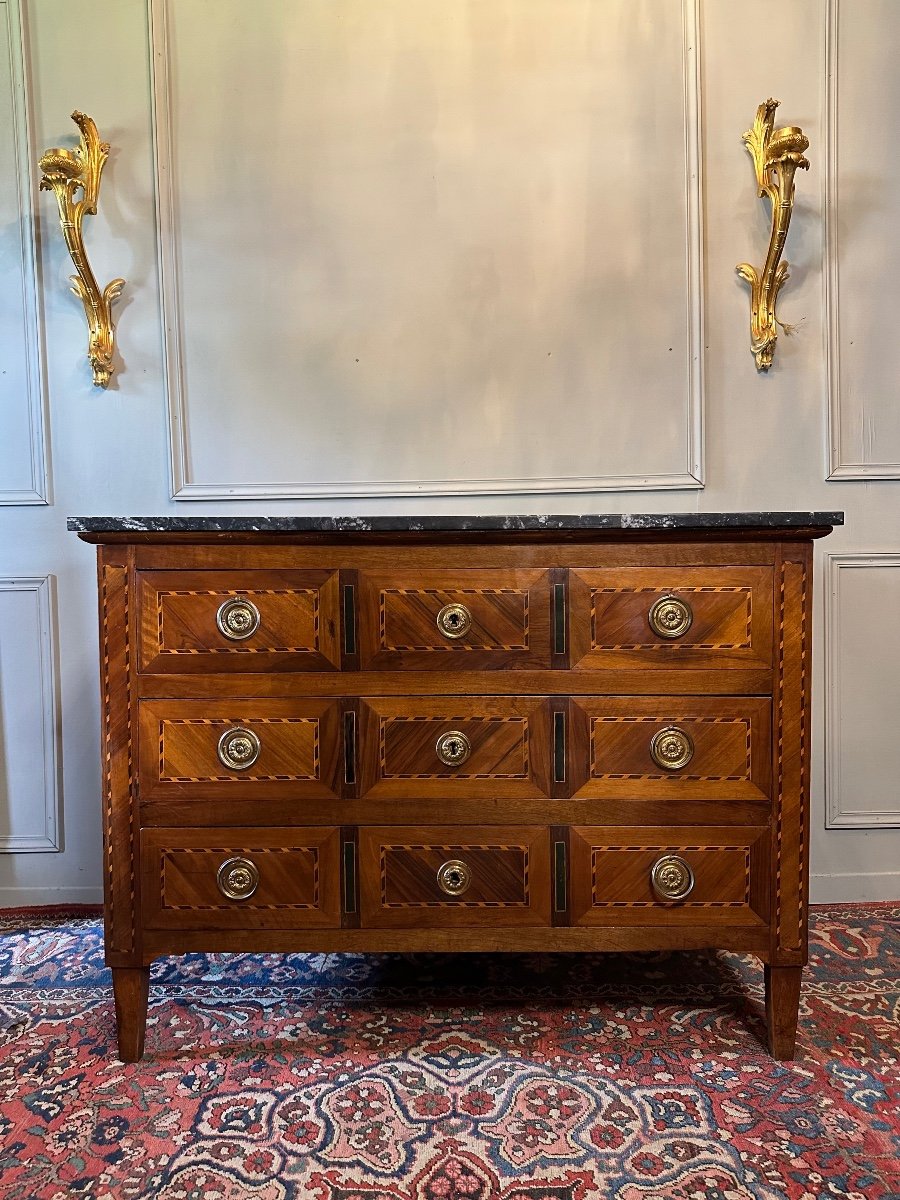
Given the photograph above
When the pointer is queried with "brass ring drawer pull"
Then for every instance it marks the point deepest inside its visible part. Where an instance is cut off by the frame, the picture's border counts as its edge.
(238, 748)
(454, 877)
(671, 878)
(237, 618)
(670, 617)
(453, 748)
(671, 748)
(454, 621)
(237, 878)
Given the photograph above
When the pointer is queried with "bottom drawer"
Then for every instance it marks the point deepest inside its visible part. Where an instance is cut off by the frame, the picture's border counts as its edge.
(666, 876)
(241, 878)
(454, 876)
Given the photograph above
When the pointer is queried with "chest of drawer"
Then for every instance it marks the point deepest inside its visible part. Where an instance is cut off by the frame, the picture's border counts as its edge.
(477, 747)
(454, 876)
(390, 735)
(228, 748)
(239, 620)
(664, 618)
(454, 620)
(670, 747)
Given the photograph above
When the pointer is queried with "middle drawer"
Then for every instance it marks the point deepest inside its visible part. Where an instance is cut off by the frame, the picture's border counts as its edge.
(491, 747)
(221, 748)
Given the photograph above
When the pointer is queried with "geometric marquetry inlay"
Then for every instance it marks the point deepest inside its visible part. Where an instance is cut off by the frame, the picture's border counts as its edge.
(721, 747)
(289, 749)
(496, 875)
(254, 620)
(454, 620)
(408, 619)
(499, 747)
(620, 875)
(173, 636)
(292, 874)
(724, 618)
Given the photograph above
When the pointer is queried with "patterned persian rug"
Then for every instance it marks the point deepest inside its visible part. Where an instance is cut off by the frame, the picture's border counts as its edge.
(346, 1077)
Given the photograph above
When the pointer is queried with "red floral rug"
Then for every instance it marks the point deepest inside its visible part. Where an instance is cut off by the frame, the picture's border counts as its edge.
(346, 1077)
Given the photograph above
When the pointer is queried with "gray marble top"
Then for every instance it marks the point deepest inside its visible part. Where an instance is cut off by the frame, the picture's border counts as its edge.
(454, 524)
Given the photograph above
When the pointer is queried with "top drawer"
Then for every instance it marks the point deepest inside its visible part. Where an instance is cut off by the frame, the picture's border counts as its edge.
(192, 621)
(671, 617)
(463, 619)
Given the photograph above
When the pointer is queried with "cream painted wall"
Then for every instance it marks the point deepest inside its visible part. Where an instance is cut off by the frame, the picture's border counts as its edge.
(766, 443)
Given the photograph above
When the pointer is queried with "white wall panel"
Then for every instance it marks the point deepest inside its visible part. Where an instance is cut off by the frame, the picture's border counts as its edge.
(863, 690)
(863, 249)
(29, 774)
(429, 248)
(23, 468)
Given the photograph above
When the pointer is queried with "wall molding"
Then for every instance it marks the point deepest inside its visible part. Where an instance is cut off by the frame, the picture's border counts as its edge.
(838, 814)
(854, 887)
(47, 691)
(34, 489)
(185, 487)
(838, 466)
(45, 897)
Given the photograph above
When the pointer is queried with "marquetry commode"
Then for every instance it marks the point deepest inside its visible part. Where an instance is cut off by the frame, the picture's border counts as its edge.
(517, 733)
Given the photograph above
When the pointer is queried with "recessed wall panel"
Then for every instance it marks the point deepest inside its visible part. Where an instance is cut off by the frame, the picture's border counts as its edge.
(29, 781)
(22, 449)
(863, 262)
(430, 247)
(863, 690)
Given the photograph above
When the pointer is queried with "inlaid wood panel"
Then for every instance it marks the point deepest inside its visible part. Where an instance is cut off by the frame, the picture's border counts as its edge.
(730, 626)
(729, 737)
(610, 880)
(298, 756)
(508, 740)
(298, 878)
(298, 630)
(504, 870)
(508, 615)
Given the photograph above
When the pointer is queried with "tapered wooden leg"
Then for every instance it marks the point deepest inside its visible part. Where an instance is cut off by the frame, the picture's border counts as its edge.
(782, 1008)
(131, 987)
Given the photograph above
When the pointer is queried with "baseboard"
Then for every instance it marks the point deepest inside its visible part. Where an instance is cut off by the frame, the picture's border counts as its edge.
(841, 889)
(46, 897)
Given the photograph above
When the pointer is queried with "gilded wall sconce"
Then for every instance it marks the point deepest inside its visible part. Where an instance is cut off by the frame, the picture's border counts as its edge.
(63, 173)
(776, 153)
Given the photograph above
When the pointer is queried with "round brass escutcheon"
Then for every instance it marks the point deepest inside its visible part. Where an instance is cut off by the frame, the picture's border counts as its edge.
(671, 878)
(237, 878)
(670, 617)
(454, 620)
(237, 618)
(453, 748)
(671, 748)
(238, 748)
(454, 877)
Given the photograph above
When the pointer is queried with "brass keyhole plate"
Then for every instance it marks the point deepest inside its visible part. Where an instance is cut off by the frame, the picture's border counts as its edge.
(454, 877)
(454, 621)
(453, 748)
